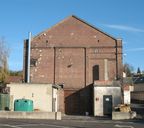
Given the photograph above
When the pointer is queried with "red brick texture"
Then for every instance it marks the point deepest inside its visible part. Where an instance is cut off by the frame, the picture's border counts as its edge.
(67, 53)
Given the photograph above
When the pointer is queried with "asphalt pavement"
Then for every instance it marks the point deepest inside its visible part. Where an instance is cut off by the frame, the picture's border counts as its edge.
(70, 123)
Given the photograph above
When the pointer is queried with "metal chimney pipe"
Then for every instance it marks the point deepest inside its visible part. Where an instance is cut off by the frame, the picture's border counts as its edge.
(29, 51)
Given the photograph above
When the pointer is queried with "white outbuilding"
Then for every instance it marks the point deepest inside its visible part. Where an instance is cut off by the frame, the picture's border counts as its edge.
(107, 95)
(45, 97)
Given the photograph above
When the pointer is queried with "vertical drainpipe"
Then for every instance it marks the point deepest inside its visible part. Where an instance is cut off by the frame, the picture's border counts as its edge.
(52, 99)
(117, 61)
(54, 65)
(85, 56)
(85, 99)
(29, 50)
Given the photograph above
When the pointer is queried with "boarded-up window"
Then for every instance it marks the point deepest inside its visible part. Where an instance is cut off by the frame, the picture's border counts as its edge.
(33, 62)
(95, 72)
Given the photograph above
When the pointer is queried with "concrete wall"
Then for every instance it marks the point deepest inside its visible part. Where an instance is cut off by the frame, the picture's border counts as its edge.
(99, 92)
(55, 100)
(123, 115)
(31, 115)
(127, 93)
(41, 94)
(127, 97)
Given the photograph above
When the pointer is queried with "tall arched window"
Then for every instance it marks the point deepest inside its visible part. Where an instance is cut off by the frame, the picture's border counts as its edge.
(95, 72)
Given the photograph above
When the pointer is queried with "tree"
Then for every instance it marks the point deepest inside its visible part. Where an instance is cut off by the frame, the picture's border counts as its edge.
(3, 60)
(15, 73)
(138, 71)
(128, 69)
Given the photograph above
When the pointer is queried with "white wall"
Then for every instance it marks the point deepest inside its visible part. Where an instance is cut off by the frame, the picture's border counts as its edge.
(55, 100)
(127, 97)
(99, 92)
(41, 94)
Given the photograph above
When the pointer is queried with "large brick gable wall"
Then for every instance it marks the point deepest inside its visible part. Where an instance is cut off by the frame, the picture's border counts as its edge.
(74, 53)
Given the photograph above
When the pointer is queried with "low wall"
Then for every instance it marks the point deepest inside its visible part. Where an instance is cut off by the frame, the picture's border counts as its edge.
(123, 115)
(31, 115)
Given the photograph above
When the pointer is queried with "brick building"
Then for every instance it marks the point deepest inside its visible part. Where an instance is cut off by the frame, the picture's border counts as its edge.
(74, 53)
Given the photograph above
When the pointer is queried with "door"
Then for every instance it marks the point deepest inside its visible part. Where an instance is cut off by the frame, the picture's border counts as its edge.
(107, 104)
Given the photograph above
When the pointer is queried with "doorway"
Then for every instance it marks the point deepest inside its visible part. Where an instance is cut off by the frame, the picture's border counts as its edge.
(107, 104)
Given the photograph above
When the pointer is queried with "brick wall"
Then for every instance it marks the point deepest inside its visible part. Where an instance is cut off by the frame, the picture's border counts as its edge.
(43, 69)
(72, 52)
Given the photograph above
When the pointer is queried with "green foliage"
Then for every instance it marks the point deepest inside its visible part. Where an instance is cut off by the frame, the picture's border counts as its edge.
(3, 74)
(15, 73)
(128, 69)
(3, 60)
(138, 71)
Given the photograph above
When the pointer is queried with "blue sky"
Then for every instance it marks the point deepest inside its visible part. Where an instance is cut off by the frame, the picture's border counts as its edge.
(120, 18)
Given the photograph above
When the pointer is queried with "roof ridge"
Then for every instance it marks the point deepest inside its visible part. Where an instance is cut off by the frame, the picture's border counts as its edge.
(93, 26)
(85, 22)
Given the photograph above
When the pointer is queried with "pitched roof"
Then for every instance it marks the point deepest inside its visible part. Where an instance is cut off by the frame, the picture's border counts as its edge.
(92, 26)
(81, 20)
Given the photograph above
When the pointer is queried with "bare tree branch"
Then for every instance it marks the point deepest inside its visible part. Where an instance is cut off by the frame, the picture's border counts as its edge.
(3, 59)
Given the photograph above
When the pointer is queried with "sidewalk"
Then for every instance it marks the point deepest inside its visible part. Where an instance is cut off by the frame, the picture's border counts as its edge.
(79, 117)
(93, 118)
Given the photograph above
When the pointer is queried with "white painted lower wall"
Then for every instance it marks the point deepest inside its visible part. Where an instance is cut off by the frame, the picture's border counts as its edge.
(41, 94)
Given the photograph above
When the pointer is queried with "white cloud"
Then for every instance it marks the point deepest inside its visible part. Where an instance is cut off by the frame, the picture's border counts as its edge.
(124, 27)
(135, 49)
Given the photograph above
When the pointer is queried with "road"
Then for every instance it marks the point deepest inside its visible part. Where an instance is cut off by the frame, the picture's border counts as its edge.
(17, 123)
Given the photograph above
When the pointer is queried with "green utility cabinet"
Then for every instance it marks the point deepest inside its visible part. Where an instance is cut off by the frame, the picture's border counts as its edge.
(4, 101)
(23, 105)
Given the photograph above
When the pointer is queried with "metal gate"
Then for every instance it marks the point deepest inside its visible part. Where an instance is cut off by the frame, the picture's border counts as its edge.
(107, 104)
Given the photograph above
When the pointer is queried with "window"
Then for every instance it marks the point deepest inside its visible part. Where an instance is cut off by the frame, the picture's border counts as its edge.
(33, 62)
(95, 72)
